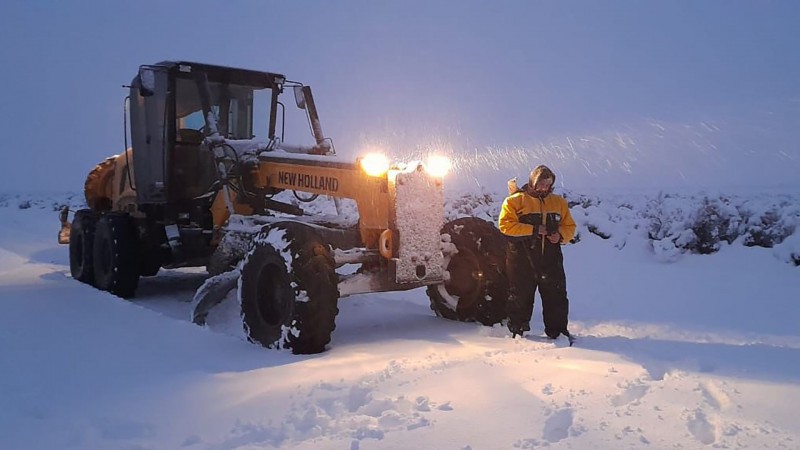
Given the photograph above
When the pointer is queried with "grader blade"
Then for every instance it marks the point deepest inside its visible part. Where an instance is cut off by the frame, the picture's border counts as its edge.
(212, 293)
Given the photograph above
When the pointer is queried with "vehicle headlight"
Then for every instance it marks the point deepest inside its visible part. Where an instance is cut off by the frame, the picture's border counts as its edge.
(438, 165)
(374, 164)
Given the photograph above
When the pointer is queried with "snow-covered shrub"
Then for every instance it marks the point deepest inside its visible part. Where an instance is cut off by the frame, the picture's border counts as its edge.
(597, 231)
(582, 200)
(484, 205)
(598, 221)
(667, 225)
(767, 225)
(666, 250)
(610, 219)
(25, 204)
(789, 250)
(714, 221)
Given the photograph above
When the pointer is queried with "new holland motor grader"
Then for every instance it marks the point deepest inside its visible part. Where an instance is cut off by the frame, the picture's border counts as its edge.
(197, 188)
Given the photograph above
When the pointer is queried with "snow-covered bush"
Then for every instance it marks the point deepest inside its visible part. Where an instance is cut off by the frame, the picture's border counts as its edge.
(583, 200)
(714, 221)
(769, 222)
(672, 224)
(789, 250)
(484, 205)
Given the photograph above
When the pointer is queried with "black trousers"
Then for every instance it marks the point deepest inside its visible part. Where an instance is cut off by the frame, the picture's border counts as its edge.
(531, 266)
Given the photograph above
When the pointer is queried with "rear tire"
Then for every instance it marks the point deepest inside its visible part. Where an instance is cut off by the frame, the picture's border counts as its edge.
(116, 256)
(81, 242)
(477, 289)
(294, 307)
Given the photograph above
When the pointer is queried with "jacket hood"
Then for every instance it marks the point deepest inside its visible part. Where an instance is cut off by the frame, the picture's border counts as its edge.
(541, 172)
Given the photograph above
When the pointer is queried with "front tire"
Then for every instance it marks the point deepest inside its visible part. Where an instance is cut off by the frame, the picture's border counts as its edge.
(81, 242)
(288, 290)
(477, 289)
(115, 253)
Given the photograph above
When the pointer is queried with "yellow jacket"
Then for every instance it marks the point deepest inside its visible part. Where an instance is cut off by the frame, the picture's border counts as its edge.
(520, 203)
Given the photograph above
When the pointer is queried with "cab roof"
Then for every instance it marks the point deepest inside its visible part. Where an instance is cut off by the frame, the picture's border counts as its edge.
(222, 74)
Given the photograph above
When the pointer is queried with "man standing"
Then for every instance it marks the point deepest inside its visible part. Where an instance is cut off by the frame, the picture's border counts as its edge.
(537, 222)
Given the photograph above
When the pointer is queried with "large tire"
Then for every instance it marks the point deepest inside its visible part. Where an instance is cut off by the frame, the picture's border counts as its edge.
(477, 288)
(81, 242)
(116, 255)
(288, 290)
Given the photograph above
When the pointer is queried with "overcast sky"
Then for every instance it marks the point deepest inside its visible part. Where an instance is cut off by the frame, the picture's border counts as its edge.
(640, 92)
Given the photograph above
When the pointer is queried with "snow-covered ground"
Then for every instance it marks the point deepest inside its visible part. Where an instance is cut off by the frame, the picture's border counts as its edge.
(676, 349)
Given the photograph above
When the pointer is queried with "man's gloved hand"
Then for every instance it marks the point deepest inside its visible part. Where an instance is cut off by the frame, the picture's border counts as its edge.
(554, 238)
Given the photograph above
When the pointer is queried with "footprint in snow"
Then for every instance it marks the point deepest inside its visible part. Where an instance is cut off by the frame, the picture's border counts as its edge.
(714, 395)
(558, 425)
(631, 394)
(701, 428)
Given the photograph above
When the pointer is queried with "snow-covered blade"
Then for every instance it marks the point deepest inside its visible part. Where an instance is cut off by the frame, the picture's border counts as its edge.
(419, 215)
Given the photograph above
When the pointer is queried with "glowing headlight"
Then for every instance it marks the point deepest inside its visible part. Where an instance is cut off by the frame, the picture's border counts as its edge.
(438, 165)
(374, 164)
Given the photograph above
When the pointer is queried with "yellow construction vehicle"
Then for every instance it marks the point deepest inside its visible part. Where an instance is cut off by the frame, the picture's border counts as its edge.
(197, 187)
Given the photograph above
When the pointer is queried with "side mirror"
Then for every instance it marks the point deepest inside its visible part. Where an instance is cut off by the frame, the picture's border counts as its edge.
(300, 97)
(147, 82)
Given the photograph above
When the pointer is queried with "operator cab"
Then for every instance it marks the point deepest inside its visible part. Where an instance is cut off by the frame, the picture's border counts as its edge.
(175, 105)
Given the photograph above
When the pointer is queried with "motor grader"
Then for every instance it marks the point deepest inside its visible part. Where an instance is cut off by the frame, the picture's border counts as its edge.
(198, 187)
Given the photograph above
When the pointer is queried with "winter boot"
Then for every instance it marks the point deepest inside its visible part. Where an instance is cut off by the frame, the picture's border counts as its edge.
(517, 329)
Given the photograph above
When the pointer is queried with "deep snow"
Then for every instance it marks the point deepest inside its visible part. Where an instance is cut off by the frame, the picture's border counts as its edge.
(675, 350)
